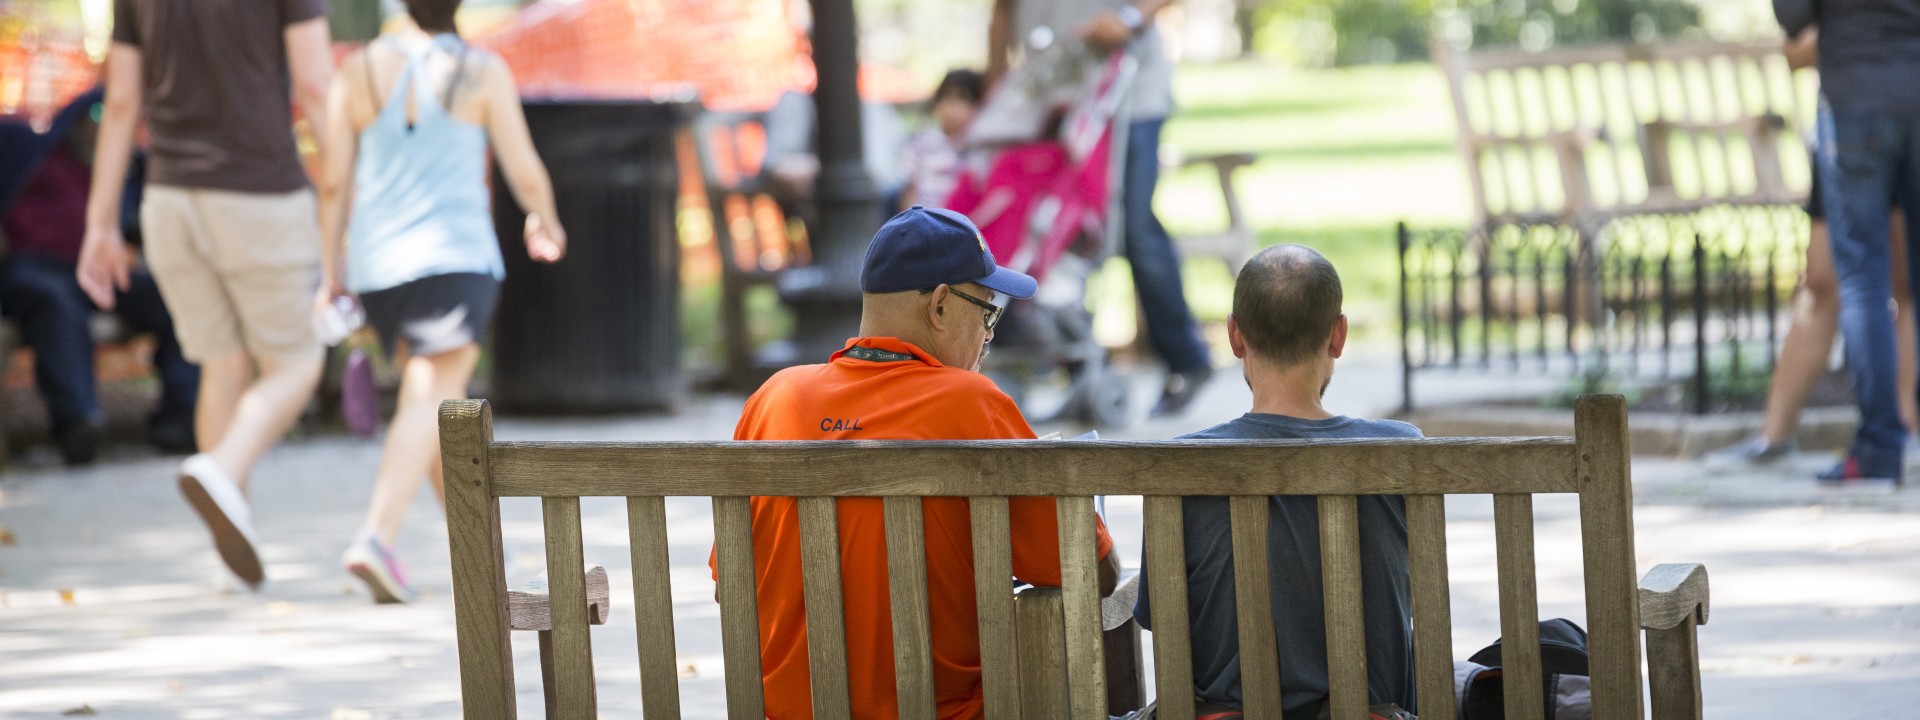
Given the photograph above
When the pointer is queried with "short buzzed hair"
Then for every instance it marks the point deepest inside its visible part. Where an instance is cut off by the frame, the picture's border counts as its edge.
(434, 16)
(1286, 302)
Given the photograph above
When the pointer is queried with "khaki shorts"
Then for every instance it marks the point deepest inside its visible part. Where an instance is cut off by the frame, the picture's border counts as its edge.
(238, 270)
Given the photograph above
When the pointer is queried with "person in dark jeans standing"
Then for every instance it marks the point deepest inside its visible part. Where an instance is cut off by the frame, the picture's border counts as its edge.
(1171, 329)
(43, 213)
(1869, 160)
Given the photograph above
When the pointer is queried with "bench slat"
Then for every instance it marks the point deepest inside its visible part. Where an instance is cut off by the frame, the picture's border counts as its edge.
(1028, 467)
(1080, 594)
(1519, 609)
(479, 571)
(907, 593)
(826, 618)
(739, 606)
(1432, 609)
(567, 590)
(1252, 594)
(1340, 582)
(1041, 617)
(993, 594)
(653, 607)
(1166, 558)
(1606, 539)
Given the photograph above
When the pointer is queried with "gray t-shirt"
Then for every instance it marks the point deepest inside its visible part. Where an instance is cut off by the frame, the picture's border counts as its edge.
(1293, 547)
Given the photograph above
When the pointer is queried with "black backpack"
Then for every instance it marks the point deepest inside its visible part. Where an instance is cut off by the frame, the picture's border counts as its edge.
(1563, 676)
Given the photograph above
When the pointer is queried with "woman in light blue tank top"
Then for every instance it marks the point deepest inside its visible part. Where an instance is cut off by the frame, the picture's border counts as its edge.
(404, 185)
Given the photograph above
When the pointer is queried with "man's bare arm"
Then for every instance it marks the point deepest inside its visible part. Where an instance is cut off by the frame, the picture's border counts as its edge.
(1109, 573)
(310, 62)
(103, 255)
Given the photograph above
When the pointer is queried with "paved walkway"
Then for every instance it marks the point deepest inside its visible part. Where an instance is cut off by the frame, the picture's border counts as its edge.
(109, 599)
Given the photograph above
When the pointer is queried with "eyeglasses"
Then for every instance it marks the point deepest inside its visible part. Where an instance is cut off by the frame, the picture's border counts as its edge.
(993, 310)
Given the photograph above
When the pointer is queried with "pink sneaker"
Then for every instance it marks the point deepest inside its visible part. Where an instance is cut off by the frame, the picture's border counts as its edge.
(376, 565)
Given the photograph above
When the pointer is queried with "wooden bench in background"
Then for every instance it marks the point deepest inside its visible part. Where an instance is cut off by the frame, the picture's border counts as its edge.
(109, 334)
(750, 233)
(1622, 126)
(1233, 244)
(1593, 465)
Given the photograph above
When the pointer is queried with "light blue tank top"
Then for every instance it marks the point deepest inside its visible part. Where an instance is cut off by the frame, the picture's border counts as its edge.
(420, 204)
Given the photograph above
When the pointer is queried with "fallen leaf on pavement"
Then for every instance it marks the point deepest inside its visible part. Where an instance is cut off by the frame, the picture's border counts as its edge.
(6, 536)
(82, 710)
(690, 671)
(66, 596)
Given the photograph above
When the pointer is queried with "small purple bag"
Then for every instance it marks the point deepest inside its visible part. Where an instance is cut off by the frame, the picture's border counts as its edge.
(359, 398)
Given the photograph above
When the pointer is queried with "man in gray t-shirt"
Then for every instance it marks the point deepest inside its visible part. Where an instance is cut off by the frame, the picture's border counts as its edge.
(1288, 330)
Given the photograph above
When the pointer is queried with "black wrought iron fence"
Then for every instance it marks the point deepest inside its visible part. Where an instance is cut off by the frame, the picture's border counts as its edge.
(1699, 296)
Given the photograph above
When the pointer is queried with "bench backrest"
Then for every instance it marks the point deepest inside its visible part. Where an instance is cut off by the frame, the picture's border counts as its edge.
(1593, 464)
(749, 229)
(1588, 133)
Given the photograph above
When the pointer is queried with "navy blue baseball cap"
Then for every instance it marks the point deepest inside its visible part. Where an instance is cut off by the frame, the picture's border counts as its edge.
(922, 248)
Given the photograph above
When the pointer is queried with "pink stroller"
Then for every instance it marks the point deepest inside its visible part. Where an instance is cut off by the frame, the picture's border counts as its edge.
(1039, 183)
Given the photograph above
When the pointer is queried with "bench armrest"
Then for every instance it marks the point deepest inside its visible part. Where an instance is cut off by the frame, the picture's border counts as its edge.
(1116, 609)
(1670, 593)
(529, 608)
(1673, 602)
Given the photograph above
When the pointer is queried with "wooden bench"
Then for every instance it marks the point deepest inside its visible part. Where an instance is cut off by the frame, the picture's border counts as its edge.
(750, 234)
(1232, 244)
(1609, 120)
(530, 609)
(1593, 465)
(107, 330)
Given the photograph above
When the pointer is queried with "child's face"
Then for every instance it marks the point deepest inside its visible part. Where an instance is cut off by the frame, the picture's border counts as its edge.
(954, 113)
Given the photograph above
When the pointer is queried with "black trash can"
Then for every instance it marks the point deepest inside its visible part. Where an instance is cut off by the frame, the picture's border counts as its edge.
(598, 332)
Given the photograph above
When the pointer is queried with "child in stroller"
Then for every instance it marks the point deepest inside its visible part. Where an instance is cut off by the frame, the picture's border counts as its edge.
(1038, 181)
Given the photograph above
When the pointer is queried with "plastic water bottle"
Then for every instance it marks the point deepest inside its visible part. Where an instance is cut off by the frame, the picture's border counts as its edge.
(338, 320)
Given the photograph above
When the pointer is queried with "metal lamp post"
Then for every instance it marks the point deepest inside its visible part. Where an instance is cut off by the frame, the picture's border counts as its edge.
(825, 296)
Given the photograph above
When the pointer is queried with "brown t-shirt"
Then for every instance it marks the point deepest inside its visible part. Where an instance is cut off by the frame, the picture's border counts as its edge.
(218, 99)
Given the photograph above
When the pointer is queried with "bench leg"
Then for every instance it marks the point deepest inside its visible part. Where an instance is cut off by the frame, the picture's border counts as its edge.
(1126, 683)
(546, 674)
(1673, 671)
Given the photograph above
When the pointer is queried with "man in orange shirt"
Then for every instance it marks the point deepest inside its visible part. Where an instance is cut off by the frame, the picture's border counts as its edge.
(932, 296)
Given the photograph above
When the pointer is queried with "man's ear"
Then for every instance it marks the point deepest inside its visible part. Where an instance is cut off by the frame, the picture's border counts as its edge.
(1337, 343)
(936, 308)
(1235, 340)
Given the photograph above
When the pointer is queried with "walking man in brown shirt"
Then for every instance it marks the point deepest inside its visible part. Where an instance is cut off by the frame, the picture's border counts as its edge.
(229, 221)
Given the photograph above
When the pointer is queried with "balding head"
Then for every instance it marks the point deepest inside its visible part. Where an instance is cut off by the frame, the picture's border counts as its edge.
(1286, 303)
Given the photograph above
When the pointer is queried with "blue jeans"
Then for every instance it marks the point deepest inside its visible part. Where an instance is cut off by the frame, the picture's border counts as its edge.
(1870, 161)
(1171, 331)
(43, 298)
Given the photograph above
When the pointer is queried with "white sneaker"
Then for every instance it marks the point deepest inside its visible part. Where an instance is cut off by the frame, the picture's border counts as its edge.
(227, 514)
